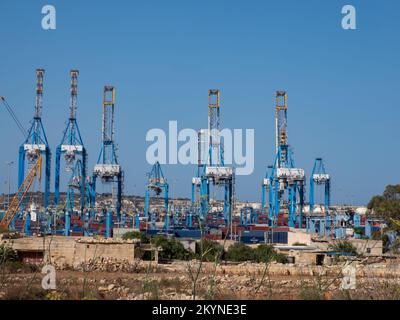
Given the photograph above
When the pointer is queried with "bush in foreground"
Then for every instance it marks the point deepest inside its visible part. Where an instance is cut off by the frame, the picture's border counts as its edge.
(7, 255)
(209, 250)
(239, 252)
(171, 248)
(263, 253)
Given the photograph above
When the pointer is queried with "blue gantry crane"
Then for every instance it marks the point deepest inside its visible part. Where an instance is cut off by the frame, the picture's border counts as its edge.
(196, 181)
(107, 167)
(36, 142)
(284, 175)
(73, 148)
(320, 177)
(76, 182)
(248, 216)
(214, 172)
(157, 184)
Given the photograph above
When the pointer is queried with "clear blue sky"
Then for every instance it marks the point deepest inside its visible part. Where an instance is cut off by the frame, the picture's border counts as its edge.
(163, 56)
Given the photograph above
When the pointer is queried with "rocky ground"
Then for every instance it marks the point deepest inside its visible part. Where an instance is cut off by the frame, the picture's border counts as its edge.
(176, 281)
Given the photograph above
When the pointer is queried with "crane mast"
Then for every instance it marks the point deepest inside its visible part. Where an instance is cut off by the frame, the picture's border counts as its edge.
(73, 149)
(214, 171)
(36, 142)
(107, 167)
(283, 176)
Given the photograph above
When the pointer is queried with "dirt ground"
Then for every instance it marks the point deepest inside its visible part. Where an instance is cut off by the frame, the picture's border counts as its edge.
(176, 281)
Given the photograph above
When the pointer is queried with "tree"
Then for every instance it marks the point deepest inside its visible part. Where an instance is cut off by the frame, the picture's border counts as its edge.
(387, 206)
(171, 248)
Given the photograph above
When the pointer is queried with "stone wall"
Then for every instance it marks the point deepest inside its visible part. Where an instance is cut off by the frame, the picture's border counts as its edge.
(368, 247)
(85, 251)
(73, 251)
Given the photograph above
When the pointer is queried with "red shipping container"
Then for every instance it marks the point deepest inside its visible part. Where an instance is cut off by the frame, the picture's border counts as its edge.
(213, 237)
(280, 229)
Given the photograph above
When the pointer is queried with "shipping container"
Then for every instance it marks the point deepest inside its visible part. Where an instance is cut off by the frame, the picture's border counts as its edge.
(264, 237)
(260, 228)
(251, 240)
(252, 233)
(274, 236)
(213, 237)
(188, 233)
(280, 228)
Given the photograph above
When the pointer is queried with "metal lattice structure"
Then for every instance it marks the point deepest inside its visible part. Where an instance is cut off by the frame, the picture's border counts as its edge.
(73, 149)
(107, 167)
(36, 143)
(284, 175)
(196, 181)
(214, 172)
(320, 177)
(157, 184)
(76, 182)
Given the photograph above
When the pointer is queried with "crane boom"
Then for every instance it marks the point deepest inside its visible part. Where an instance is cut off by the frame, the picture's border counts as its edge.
(20, 195)
(14, 116)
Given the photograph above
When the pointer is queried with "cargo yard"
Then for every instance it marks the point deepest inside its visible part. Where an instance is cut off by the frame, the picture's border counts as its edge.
(81, 211)
(77, 229)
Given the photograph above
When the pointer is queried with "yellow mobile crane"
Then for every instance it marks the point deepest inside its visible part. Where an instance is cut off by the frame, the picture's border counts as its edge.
(16, 201)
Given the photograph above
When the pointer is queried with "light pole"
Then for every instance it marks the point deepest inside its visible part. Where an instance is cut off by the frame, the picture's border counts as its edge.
(9, 164)
(174, 181)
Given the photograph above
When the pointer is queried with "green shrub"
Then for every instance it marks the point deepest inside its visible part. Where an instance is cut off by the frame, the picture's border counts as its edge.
(171, 248)
(280, 258)
(136, 235)
(263, 253)
(359, 230)
(343, 246)
(211, 249)
(7, 254)
(240, 252)
(267, 253)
